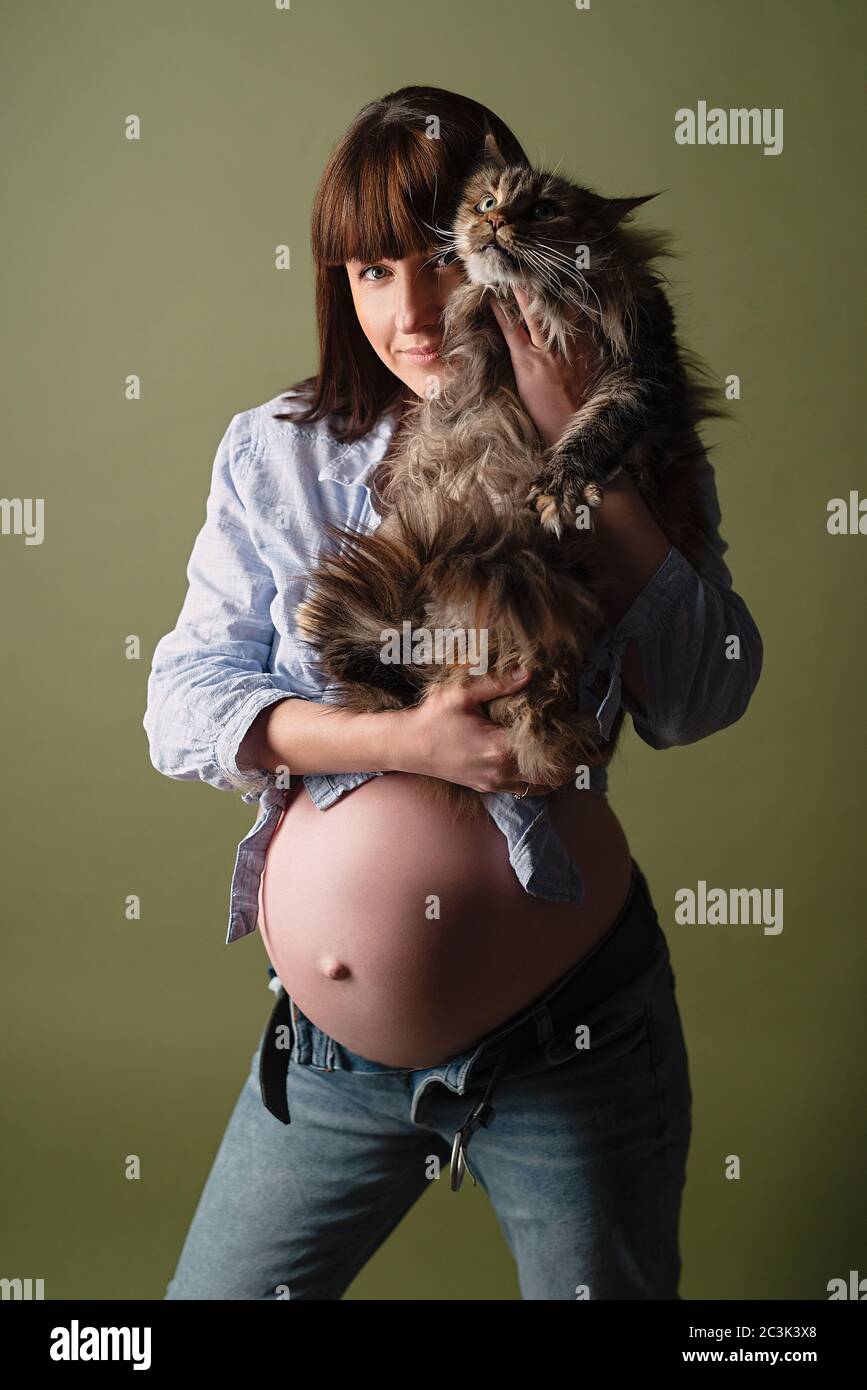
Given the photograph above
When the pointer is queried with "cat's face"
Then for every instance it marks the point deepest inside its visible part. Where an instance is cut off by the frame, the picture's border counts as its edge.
(515, 227)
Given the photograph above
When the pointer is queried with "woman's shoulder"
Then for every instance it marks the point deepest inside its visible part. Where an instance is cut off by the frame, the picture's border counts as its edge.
(275, 428)
(266, 438)
(305, 452)
(277, 421)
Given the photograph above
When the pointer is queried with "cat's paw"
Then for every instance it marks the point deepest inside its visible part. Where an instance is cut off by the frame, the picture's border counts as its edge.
(556, 495)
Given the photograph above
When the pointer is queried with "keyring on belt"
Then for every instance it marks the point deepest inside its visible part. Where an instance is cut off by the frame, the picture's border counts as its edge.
(480, 1115)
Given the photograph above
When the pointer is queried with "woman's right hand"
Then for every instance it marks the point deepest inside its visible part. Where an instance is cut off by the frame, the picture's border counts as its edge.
(450, 737)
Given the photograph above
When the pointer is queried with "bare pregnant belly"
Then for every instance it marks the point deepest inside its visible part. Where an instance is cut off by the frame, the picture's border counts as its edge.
(408, 938)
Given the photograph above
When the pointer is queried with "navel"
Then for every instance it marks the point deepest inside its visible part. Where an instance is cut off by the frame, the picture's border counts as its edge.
(334, 969)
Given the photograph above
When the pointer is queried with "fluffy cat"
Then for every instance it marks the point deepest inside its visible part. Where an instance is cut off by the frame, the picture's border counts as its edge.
(484, 528)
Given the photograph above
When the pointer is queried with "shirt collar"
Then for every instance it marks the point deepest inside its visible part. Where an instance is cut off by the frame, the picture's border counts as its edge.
(352, 463)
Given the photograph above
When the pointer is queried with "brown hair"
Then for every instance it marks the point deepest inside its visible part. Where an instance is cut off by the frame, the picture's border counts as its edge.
(393, 171)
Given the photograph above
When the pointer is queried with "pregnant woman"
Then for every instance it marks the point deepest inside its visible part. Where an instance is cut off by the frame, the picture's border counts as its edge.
(445, 1004)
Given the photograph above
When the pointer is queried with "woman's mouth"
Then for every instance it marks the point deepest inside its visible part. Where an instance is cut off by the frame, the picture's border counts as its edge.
(420, 355)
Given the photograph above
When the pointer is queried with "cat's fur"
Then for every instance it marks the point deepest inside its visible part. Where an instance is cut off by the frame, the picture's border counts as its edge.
(479, 516)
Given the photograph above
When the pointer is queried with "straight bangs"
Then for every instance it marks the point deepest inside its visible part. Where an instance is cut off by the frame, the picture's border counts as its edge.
(386, 199)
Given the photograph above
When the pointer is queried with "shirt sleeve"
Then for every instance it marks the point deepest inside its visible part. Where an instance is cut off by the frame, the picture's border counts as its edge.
(209, 676)
(682, 624)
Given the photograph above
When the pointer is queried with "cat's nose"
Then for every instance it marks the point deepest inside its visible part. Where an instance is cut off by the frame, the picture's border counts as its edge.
(496, 221)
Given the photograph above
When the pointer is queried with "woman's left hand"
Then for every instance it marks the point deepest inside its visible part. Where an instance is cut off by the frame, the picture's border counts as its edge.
(551, 387)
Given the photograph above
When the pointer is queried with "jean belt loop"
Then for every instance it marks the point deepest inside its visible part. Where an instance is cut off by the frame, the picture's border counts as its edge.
(481, 1115)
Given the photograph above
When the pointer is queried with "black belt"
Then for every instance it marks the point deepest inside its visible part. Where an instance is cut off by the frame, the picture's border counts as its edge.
(274, 1058)
(628, 948)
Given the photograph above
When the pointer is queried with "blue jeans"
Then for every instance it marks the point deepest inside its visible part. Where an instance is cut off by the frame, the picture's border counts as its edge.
(584, 1161)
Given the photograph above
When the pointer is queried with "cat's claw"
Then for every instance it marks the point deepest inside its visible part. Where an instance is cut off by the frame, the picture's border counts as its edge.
(549, 509)
(556, 503)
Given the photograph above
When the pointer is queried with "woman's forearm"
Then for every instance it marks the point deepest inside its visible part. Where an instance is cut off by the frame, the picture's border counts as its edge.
(308, 737)
(628, 549)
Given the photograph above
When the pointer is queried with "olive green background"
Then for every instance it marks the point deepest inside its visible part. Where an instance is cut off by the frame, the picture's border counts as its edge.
(157, 258)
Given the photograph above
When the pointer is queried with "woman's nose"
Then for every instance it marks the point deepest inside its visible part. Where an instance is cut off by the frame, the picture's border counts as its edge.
(418, 305)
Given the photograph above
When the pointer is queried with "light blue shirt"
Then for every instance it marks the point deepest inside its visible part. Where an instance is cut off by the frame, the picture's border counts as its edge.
(235, 648)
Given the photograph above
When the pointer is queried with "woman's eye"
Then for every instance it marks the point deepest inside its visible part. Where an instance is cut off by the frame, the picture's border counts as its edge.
(488, 202)
(363, 275)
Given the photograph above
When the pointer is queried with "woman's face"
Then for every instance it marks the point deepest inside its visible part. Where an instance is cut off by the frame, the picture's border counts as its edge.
(399, 306)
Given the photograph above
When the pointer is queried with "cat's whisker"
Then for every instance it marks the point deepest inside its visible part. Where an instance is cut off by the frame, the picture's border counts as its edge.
(539, 247)
(555, 275)
(588, 286)
(437, 255)
(581, 281)
(538, 262)
(422, 220)
(563, 273)
(559, 255)
(578, 240)
(552, 279)
(563, 265)
(554, 282)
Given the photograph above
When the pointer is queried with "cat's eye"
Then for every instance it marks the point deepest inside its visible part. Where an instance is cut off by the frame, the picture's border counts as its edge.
(488, 202)
(544, 208)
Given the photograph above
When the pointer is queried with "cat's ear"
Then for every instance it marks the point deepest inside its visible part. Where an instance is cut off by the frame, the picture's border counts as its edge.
(492, 150)
(611, 211)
